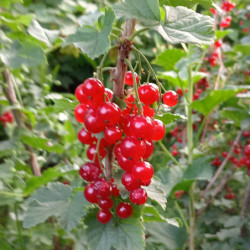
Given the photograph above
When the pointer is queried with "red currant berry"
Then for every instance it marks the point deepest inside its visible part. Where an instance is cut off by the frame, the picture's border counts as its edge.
(89, 171)
(108, 94)
(174, 152)
(147, 111)
(148, 93)
(115, 190)
(85, 137)
(149, 149)
(102, 188)
(129, 182)
(112, 134)
(125, 163)
(91, 152)
(138, 196)
(104, 216)
(129, 101)
(132, 148)
(124, 210)
(105, 203)
(109, 112)
(90, 193)
(129, 78)
(179, 193)
(117, 150)
(142, 171)
(224, 154)
(247, 150)
(79, 112)
(218, 43)
(80, 96)
(229, 196)
(179, 92)
(159, 130)
(170, 98)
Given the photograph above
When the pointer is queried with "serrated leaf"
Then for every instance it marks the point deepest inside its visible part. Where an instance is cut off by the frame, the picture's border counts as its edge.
(119, 235)
(169, 58)
(169, 118)
(155, 192)
(213, 99)
(42, 143)
(55, 200)
(90, 40)
(183, 25)
(42, 34)
(27, 54)
(147, 11)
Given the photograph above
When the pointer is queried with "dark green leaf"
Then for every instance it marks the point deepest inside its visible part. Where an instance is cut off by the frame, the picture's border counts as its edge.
(236, 115)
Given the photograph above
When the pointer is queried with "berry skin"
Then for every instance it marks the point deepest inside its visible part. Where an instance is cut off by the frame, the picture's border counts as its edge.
(129, 78)
(129, 182)
(94, 90)
(90, 193)
(229, 196)
(109, 112)
(170, 98)
(93, 121)
(159, 130)
(104, 216)
(174, 152)
(91, 152)
(80, 96)
(115, 190)
(102, 188)
(149, 149)
(112, 134)
(85, 137)
(247, 151)
(89, 171)
(79, 112)
(142, 171)
(105, 203)
(147, 111)
(218, 43)
(132, 148)
(108, 94)
(138, 196)
(125, 163)
(124, 210)
(224, 154)
(148, 93)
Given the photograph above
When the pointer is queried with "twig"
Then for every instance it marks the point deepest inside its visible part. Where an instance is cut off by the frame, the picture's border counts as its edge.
(11, 96)
(246, 201)
(223, 164)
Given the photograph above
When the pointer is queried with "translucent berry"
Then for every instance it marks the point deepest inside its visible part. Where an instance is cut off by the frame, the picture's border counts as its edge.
(129, 78)
(104, 216)
(124, 210)
(170, 98)
(138, 196)
(89, 171)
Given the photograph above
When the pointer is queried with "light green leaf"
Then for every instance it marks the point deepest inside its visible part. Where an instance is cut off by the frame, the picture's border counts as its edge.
(42, 143)
(169, 118)
(155, 192)
(150, 213)
(169, 58)
(55, 200)
(64, 104)
(187, 3)
(222, 33)
(228, 233)
(119, 235)
(243, 48)
(42, 34)
(147, 11)
(183, 25)
(234, 114)
(214, 98)
(71, 135)
(27, 54)
(90, 40)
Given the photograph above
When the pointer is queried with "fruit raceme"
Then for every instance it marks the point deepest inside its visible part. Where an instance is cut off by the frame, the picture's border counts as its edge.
(131, 133)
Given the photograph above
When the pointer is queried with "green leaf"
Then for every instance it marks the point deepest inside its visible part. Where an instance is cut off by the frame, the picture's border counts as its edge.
(169, 118)
(42, 143)
(155, 192)
(147, 11)
(169, 58)
(187, 3)
(119, 235)
(183, 25)
(5, 169)
(234, 114)
(228, 233)
(90, 40)
(55, 200)
(44, 35)
(243, 48)
(64, 104)
(213, 99)
(27, 54)
(71, 135)
(201, 169)
(222, 33)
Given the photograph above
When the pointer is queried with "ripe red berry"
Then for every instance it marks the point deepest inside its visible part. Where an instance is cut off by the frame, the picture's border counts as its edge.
(224, 154)
(91, 152)
(247, 150)
(93, 121)
(179, 91)
(218, 43)
(149, 149)
(80, 96)
(79, 112)
(159, 130)
(108, 94)
(104, 216)
(124, 210)
(89, 171)
(112, 134)
(147, 111)
(115, 190)
(179, 193)
(138, 196)
(229, 196)
(132, 148)
(85, 137)
(213, 11)
(129, 78)
(129, 182)
(102, 188)
(142, 171)
(90, 193)
(125, 163)
(170, 98)
(174, 152)
(148, 93)
(109, 112)
(105, 203)
(129, 101)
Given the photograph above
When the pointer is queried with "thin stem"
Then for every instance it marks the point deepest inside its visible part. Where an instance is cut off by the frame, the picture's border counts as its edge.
(18, 227)
(10, 194)
(148, 77)
(107, 69)
(182, 216)
(137, 33)
(191, 217)
(169, 154)
(98, 155)
(199, 132)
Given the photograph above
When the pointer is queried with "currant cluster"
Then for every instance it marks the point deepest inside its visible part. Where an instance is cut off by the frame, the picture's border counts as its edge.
(7, 117)
(130, 132)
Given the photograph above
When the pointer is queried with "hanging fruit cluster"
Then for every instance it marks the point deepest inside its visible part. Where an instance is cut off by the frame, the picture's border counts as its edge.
(130, 132)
